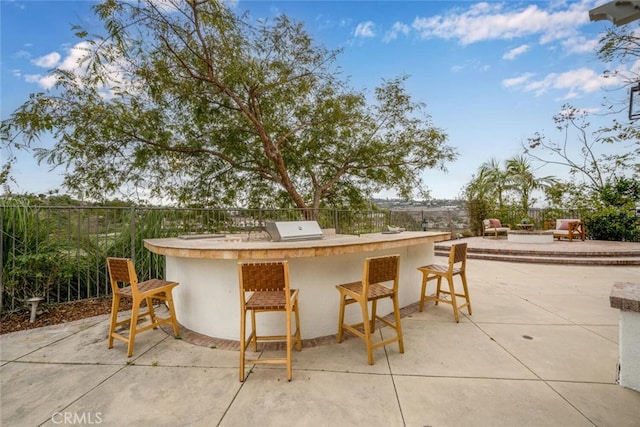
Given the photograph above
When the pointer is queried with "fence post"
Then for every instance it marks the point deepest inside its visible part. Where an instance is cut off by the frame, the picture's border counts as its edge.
(132, 234)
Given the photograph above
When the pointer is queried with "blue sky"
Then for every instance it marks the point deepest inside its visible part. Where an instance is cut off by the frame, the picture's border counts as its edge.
(490, 73)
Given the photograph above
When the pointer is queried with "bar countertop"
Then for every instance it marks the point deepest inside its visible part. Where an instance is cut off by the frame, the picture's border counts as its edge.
(237, 246)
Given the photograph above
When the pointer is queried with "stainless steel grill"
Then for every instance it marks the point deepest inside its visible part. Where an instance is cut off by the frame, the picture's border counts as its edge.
(286, 231)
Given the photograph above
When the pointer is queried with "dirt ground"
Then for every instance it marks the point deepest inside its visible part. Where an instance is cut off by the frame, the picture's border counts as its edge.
(59, 313)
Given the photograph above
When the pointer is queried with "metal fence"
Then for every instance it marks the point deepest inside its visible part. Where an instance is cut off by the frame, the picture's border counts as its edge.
(59, 252)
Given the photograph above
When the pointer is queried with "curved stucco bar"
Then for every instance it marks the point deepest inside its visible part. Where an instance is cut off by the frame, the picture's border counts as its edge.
(207, 300)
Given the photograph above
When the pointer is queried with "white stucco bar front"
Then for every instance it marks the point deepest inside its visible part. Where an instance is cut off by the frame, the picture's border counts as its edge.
(207, 300)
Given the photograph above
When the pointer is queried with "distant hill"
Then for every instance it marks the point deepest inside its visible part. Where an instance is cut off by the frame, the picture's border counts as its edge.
(398, 204)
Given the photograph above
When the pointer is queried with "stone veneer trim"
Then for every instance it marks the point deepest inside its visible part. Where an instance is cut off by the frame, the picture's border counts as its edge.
(625, 296)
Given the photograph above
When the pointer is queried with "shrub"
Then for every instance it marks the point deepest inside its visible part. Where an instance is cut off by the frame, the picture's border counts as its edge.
(613, 223)
(477, 210)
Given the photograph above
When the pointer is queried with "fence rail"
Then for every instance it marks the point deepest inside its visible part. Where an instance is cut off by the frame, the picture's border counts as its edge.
(59, 252)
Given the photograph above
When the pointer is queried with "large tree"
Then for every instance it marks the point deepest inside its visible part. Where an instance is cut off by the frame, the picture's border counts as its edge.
(621, 45)
(579, 149)
(196, 105)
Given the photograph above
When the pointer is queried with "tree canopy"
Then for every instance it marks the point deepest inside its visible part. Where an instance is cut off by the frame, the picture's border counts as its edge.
(596, 176)
(196, 105)
(495, 185)
(622, 45)
(578, 149)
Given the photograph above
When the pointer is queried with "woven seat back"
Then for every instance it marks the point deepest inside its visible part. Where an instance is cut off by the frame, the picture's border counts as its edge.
(457, 258)
(263, 276)
(460, 252)
(121, 271)
(381, 269)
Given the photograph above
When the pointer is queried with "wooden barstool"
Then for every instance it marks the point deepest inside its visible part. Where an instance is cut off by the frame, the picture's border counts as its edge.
(264, 287)
(122, 271)
(456, 267)
(377, 270)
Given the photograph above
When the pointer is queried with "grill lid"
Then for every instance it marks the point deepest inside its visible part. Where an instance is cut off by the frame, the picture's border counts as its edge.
(285, 231)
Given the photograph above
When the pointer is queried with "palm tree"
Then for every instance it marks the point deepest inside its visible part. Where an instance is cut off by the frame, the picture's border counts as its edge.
(494, 177)
(523, 180)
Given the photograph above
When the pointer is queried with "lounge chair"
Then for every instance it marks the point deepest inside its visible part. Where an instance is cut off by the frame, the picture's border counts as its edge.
(493, 227)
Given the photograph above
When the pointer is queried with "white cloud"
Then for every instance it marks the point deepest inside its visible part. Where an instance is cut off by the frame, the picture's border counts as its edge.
(71, 62)
(398, 28)
(47, 61)
(231, 3)
(471, 65)
(574, 82)
(45, 82)
(365, 29)
(515, 52)
(580, 45)
(168, 6)
(584, 78)
(517, 81)
(325, 22)
(76, 54)
(32, 78)
(23, 54)
(49, 81)
(498, 21)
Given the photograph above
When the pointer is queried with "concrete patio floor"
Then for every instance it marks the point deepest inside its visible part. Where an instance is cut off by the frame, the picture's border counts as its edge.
(539, 350)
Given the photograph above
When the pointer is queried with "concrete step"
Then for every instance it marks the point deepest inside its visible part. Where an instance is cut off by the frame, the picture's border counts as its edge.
(533, 257)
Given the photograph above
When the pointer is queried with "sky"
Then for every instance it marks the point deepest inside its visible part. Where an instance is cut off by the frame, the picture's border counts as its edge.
(491, 74)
